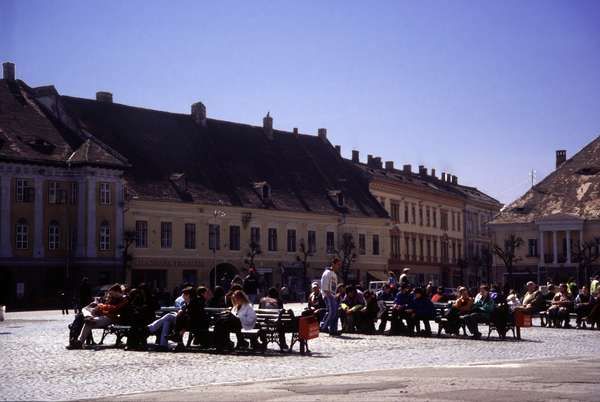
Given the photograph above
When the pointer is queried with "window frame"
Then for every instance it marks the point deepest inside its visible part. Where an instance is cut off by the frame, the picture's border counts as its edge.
(104, 193)
(330, 242)
(234, 238)
(272, 240)
(104, 237)
(189, 242)
(291, 240)
(22, 234)
(214, 237)
(53, 236)
(141, 234)
(166, 235)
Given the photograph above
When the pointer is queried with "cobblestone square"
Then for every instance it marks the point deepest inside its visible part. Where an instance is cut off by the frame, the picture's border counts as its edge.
(36, 366)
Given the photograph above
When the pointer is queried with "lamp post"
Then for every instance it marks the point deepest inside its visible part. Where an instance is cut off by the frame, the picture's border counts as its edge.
(217, 213)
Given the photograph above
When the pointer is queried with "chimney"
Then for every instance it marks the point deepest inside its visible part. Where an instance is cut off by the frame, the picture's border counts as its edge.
(389, 165)
(355, 156)
(322, 133)
(199, 113)
(443, 176)
(338, 149)
(295, 132)
(103, 96)
(377, 162)
(433, 173)
(454, 179)
(370, 160)
(422, 170)
(561, 157)
(8, 70)
(407, 169)
(268, 126)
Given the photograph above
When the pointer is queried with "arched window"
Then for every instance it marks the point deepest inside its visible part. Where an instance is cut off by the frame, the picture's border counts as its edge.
(105, 236)
(53, 236)
(22, 234)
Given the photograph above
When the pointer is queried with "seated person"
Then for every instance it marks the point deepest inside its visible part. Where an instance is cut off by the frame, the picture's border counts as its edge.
(512, 300)
(561, 307)
(101, 315)
(550, 292)
(316, 303)
(229, 296)
(392, 281)
(179, 301)
(352, 302)
(191, 317)
(461, 306)
(401, 301)
(386, 294)
(533, 300)
(242, 316)
(218, 298)
(420, 308)
(271, 301)
(482, 309)
(583, 305)
(439, 296)
(367, 315)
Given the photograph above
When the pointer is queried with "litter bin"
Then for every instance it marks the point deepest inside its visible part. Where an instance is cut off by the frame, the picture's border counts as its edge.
(522, 320)
(2, 312)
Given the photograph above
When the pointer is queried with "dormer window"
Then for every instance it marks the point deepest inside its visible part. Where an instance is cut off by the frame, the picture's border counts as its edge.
(264, 190)
(338, 198)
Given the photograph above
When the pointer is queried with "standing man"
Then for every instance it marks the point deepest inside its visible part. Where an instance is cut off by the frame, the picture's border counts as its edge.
(595, 285)
(404, 277)
(250, 285)
(329, 282)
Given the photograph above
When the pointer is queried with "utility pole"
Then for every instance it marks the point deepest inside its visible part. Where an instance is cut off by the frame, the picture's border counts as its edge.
(532, 174)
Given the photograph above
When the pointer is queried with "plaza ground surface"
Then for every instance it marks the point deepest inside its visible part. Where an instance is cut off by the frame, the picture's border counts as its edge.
(35, 365)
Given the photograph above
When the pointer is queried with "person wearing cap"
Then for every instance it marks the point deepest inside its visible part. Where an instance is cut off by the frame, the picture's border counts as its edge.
(404, 277)
(316, 303)
(329, 283)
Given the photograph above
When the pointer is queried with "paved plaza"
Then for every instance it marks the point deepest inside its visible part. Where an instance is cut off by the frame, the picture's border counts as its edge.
(35, 364)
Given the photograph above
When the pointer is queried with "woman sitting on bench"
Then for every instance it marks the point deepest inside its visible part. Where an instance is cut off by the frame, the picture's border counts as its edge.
(242, 316)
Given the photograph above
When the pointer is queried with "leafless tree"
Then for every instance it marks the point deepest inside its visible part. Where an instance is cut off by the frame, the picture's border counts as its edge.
(346, 254)
(508, 254)
(586, 253)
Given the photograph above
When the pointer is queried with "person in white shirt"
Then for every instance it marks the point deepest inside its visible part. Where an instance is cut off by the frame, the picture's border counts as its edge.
(242, 316)
(329, 282)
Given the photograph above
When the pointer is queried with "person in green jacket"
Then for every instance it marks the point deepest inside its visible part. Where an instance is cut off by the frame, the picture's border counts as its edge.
(482, 309)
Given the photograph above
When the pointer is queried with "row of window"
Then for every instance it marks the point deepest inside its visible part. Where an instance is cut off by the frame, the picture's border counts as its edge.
(25, 192)
(22, 236)
(214, 238)
(427, 216)
(424, 249)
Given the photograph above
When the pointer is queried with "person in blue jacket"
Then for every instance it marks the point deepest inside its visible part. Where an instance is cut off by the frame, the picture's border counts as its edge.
(420, 309)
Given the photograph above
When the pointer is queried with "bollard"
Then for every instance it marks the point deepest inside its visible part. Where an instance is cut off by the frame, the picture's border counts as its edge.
(2, 312)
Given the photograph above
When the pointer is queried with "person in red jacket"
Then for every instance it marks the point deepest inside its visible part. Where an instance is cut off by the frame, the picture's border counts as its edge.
(101, 315)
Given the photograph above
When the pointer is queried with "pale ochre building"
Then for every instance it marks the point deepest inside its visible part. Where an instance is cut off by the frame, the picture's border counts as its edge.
(554, 219)
(428, 214)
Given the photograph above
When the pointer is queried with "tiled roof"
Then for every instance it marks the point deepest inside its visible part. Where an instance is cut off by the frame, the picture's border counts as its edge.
(572, 189)
(28, 133)
(429, 183)
(175, 159)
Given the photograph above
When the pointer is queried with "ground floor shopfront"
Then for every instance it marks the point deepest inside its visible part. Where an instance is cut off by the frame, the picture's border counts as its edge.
(30, 283)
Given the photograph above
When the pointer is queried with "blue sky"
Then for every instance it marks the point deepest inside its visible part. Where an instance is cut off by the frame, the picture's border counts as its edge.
(484, 90)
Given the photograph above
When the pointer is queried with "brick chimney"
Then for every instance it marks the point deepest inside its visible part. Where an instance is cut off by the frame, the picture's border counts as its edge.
(370, 160)
(295, 132)
(407, 168)
(443, 176)
(103, 96)
(422, 170)
(338, 149)
(561, 157)
(433, 173)
(389, 165)
(199, 113)
(355, 156)
(454, 179)
(268, 125)
(322, 133)
(8, 71)
(377, 162)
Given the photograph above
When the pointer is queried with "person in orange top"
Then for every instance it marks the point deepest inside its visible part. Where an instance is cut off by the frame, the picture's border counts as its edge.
(461, 306)
(439, 296)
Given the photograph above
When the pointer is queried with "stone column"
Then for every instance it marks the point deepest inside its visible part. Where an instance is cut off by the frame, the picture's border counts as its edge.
(541, 248)
(91, 217)
(568, 246)
(555, 248)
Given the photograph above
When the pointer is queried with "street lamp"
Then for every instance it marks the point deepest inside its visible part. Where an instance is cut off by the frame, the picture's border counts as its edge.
(217, 213)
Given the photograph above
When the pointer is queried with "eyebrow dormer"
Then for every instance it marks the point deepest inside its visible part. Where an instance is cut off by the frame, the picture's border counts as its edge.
(338, 198)
(264, 190)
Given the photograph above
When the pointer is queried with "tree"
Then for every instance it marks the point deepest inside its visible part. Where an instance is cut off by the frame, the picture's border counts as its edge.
(486, 263)
(508, 254)
(586, 253)
(346, 254)
(128, 238)
(253, 251)
(305, 253)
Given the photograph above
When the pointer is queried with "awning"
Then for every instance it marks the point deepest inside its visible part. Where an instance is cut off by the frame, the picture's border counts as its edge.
(379, 275)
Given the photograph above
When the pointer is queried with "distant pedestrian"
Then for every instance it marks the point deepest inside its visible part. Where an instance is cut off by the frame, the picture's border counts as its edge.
(64, 303)
(250, 285)
(329, 282)
(404, 277)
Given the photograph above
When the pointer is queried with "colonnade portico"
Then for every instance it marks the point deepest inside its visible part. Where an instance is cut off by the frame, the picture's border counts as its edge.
(566, 228)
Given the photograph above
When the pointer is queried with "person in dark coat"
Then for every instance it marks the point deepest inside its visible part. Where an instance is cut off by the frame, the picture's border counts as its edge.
(420, 309)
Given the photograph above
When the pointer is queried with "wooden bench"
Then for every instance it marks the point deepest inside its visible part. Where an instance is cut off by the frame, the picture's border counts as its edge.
(439, 312)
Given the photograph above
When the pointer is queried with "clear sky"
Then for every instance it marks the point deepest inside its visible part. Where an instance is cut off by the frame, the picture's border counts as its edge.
(485, 90)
